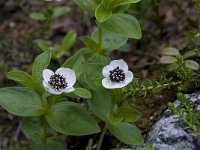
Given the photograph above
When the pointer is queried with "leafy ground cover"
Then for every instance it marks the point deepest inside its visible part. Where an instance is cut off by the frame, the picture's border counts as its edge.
(163, 23)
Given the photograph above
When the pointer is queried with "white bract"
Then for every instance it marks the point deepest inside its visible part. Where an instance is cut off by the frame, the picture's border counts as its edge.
(60, 81)
(116, 75)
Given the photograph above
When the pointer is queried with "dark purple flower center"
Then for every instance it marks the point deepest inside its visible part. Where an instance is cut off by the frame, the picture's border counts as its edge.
(57, 82)
(117, 75)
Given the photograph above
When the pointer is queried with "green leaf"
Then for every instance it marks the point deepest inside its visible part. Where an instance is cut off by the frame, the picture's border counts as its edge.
(170, 51)
(92, 73)
(21, 101)
(42, 44)
(75, 62)
(100, 104)
(87, 5)
(128, 114)
(114, 118)
(84, 93)
(72, 60)
(41, 62)
(71, 119)
(26, 80)
(191, 64)
(127, 133)
(110, 41)
(50, 144)
(38, 16)
(126, 47)
(117, 3)
(60, 10)
(98, 1)
(99, 60)
(67, 43)
(32, 127)
(102, 13)
(189, 54)
(123, 25)
(149, 147)
(167, 59)
(91, 44)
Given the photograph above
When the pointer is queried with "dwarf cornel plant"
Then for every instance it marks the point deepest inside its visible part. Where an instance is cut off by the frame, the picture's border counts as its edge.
(47, 100)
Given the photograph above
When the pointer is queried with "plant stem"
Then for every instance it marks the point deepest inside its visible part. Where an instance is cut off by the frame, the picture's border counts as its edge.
(159, 86)
(45, 132)
(102, 136)
(164, 85)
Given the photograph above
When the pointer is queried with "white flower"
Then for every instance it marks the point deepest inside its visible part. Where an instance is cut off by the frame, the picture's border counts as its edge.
(116, 75)
(60, 81)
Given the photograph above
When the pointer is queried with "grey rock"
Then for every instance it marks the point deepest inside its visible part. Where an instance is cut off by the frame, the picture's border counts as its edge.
(168, 133)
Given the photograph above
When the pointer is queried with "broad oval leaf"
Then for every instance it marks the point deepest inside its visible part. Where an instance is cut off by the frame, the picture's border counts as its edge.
(60, 10)
(117, 3)
(51, 143)
(67, 43)
(109, 40)
(26, 80)
(43, 45)
(100, 104)
(38, 16)
(71, 119)
(189, 54)
(84, 93)
(127, 133)
(102, 13)
(123, 25)
(32, 127)
(21, 101)
(87, 5)
(41, 62)
(167, 60)
(191, 64)
(129, 114)
(91, 43)
(170, 51)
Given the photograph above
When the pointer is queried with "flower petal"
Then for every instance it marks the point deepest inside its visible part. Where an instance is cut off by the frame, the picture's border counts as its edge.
(50, 89)
(106, 71)
(67, 90)
(71, 78)
(107, 83)
(47, 74)
(129, 77)
(121, 64)
(68, 74)
(110, 85)
(62, 71)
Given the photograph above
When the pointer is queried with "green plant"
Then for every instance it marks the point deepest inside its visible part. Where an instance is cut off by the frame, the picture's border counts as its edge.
(187, 113)
(58, 51)
(47, 102)
(48, 16)
(171, 55)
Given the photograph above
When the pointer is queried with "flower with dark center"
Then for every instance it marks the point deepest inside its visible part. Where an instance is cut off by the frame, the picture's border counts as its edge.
(116, 74)
(60, 81)
(57, 82)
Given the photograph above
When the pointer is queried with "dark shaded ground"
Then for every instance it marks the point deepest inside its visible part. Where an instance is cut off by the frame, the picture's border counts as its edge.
(164, 24)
